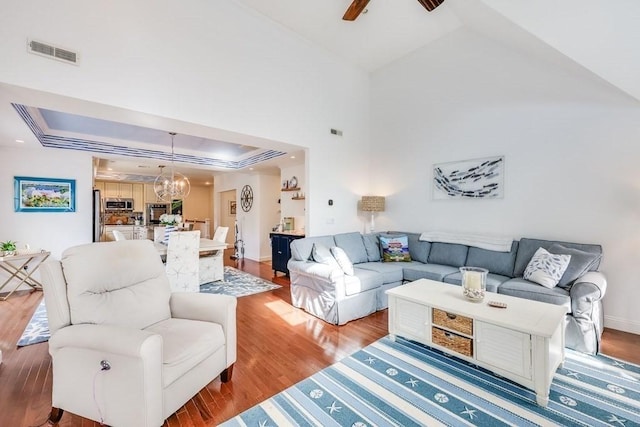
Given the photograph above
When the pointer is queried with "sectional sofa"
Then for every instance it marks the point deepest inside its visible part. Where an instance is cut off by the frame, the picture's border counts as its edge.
(326, 291)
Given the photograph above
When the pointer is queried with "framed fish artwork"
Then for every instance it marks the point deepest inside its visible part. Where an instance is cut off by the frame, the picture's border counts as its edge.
(469, 179)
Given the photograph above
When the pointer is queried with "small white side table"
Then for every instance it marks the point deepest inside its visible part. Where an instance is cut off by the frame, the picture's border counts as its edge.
(20, 268)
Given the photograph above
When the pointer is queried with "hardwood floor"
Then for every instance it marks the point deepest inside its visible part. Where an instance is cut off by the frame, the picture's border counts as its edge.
(278, 346)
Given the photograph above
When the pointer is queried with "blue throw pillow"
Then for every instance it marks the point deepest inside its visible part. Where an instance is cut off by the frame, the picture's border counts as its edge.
(394, 248)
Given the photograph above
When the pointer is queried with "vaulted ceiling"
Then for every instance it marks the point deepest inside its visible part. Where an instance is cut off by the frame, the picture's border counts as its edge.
(600, 37)
(603, 37)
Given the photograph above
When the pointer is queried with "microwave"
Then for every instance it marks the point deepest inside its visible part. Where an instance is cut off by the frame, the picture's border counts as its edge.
(118, 204)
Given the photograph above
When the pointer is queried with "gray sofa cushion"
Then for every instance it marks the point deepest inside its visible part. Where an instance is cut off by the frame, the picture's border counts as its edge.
(418, 270)
(496, 262)
(391, 271)
(371, 246)
(493, 280)
(528, 247)
(418, 250)
(353, 245)
(448, 254)
(522, 288)
(579, 264)
(362, 280)
(301, 248)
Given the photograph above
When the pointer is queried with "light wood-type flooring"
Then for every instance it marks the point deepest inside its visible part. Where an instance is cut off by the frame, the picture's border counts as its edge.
(278, 346)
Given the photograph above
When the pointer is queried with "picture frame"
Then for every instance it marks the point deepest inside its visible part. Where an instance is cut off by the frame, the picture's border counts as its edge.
(469, 179)
(33, 194)
(232, 207)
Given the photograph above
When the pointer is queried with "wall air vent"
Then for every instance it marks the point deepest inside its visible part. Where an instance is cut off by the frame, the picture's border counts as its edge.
(53, 52)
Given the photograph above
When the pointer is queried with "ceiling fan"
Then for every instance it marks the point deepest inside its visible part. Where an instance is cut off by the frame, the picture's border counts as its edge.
(357, 6)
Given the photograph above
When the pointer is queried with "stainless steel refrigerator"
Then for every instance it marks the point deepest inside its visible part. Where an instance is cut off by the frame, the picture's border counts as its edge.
(98, 217)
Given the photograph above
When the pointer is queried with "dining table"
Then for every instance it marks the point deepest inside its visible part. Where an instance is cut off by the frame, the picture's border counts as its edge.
(211, 259)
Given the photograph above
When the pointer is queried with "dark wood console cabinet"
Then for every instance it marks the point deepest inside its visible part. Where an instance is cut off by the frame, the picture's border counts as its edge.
(281, 251)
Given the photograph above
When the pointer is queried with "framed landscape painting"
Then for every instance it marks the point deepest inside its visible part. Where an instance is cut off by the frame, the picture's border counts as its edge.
(44, 194)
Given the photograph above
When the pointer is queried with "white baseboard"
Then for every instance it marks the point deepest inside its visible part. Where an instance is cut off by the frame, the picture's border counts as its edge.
(265, 258)
(622, 324)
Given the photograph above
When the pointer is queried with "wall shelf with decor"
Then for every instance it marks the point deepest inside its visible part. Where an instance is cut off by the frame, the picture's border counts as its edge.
(291, 189)
(297, 198)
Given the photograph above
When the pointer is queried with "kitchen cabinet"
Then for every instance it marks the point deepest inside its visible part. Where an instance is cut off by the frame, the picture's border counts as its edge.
(119, 190)
(138, 197)
(140, 232)
(150, 195)
(99, 185)
(281, 250)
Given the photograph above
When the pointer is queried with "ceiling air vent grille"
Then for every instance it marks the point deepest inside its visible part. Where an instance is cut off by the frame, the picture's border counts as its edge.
(53, 52)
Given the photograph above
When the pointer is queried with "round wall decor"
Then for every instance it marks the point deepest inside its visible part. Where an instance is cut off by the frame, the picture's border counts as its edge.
(246, 198)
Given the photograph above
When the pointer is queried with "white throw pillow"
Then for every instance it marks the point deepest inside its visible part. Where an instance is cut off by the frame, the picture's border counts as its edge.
(343, 260)
(322, 254)
(546, 268)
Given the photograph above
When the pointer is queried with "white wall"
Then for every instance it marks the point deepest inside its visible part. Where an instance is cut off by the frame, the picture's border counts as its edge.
(255, 225)
(269, 211)
(54, 232)
(215, 64)
(570, 143)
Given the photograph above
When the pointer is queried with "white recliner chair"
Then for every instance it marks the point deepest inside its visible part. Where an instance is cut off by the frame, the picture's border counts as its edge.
(125, 350)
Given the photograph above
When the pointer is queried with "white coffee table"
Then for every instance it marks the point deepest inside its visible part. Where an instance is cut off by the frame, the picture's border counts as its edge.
(523, 342)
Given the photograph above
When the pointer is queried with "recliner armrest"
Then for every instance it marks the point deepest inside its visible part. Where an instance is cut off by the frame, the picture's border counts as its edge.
(107, 338)
(220, 309)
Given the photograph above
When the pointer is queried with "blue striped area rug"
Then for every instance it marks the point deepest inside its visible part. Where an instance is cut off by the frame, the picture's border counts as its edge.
(403, 383)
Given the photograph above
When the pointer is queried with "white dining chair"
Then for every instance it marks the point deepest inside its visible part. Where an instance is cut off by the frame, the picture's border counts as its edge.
(221, 234)
(158, 234)
(118, 236)
(182, 266)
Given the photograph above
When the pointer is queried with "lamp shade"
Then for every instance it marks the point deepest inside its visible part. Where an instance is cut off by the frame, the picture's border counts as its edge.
(372, 204)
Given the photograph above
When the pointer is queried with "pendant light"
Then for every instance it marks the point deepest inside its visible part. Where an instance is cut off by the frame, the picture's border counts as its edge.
(173, 185)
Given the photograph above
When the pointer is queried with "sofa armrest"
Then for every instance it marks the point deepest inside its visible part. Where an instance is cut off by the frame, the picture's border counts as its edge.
(316, 269)
(586, 290)
(220, 309)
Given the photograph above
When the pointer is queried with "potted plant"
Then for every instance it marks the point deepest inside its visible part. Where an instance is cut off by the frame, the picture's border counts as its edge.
(8, 248)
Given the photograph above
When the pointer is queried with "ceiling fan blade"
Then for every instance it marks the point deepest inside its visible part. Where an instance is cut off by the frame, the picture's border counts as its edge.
(430, 4)
(356, 7)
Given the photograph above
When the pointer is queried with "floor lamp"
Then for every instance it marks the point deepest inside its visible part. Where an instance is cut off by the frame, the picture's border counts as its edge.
(372, 204)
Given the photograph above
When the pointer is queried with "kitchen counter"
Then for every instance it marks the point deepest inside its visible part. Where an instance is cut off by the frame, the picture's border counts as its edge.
(130, 231)
(296, 233)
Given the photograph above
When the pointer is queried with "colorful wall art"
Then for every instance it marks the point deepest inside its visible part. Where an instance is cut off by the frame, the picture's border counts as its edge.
(44, 194)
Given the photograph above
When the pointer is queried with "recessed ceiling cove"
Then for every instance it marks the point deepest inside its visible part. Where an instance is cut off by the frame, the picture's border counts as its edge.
(56, 129)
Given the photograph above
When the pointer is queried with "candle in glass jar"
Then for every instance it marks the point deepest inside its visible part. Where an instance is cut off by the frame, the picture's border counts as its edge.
(473, 280)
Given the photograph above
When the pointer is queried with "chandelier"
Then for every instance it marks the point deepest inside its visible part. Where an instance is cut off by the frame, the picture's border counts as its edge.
(173, 185)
